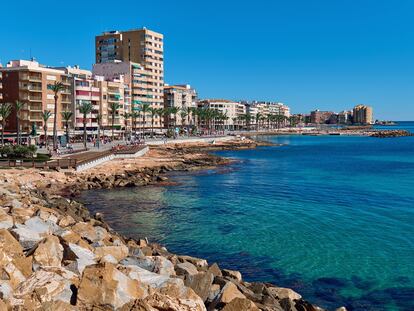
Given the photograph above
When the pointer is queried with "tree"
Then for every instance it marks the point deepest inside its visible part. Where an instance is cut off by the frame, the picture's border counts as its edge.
(134, 115)
(85, 107)
(183, 115)
(144, 109)
(99, 120)
(174, 111)
(67, 116)
(258, 118)
(153, 112)
(5, 111)
(18, 106)
(46, 116)
(126, 116)
(114, 107)
(160, 113)
(56, 88)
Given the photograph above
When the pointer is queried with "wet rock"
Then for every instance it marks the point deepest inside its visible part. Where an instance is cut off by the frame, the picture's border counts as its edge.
(232, 274)
(103, 285)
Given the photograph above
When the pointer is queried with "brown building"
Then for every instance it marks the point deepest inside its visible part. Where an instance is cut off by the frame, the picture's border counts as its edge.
(363, 114)
(27, 82)
(320, 117)
(142, 47)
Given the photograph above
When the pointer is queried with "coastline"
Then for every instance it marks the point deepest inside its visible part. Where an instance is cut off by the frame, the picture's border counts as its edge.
(55, 194)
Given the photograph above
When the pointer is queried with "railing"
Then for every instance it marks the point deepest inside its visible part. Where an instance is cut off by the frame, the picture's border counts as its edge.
(58, 163)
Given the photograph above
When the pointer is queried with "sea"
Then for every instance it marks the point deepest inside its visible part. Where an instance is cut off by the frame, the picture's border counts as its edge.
(331, 217)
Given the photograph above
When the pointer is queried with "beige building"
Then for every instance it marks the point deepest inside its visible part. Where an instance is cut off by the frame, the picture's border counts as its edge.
(144, 48)
(362, 115)
(181, 97)
(27, 82)
(233, 110)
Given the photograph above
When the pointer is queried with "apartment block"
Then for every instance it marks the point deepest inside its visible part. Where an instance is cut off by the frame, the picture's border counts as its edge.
(233, 110)
(27, 82)
(144, 48)
(181, 97)
(137, 85)
(362, 115)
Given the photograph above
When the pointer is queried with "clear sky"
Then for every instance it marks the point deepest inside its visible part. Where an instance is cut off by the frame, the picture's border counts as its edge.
(326, 54)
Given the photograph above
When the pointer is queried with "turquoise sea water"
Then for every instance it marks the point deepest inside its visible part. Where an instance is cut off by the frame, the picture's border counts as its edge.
(330, 216)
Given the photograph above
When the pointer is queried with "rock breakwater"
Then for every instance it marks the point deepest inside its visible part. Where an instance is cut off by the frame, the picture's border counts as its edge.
(55, 256)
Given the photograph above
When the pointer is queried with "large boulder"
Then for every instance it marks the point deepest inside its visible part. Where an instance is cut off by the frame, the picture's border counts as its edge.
(44, 286)
(91, 233)
(198, 262)
(185, 268)
(283, 293)
(200, 283)
(118, 252)
(240, 304)
(6, 221)
(103, 285)
(156, 264)
(232, 274)
(48, 252)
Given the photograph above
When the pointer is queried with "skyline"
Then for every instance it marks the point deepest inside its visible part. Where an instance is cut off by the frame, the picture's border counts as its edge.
(332, 57)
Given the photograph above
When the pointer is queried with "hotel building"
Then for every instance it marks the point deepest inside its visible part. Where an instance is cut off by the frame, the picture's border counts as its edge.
(141, 47)
(27, 82)
(181, 97)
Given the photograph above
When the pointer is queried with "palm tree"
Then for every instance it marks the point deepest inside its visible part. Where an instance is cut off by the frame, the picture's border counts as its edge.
(46, 116)
(144, 109)
(85, 108)
(153, 112)
(17, 107)
(5, 111)
(174, 111)
(160, 113)
(166, 112)
(99, 120)
(126, 116)
(114, 107)
(183, 115)
(56, 88)
(67, 116)
(134, 116)
(258, 118)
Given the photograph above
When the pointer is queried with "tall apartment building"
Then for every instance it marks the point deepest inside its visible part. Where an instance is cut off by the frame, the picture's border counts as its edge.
(27, 82)
(135, 77)
(142, 47)
(362, 115)
(181, 97)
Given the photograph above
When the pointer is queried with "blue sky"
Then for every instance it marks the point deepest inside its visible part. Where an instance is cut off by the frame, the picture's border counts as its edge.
(326, 54)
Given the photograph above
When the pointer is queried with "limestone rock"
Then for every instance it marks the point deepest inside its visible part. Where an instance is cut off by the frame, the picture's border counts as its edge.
(157, 264)
(83, 256)
(185, 268)
(118, 252)
(200, 283)
(214, 292)
(240, 304)
(282, 293)
(214, 268)
(104, 285)
(66, 221)
(45, 286)
(49, 252)
(6, 221)
(198, 262)
(89, 232)
(229, 292)
(232, 274)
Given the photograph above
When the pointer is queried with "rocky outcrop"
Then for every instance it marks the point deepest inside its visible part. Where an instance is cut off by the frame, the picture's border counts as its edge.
(391, 133)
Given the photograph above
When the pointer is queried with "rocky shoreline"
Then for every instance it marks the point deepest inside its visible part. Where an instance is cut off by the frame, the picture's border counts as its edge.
(55, 256)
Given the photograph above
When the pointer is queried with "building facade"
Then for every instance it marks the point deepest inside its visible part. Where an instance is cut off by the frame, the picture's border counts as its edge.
(182, 97)
(232, 110)
(145, 49)
(28, 82)
(362, 115)
(320, 117)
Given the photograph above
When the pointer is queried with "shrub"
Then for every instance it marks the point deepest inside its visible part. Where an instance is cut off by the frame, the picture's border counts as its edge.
(17, 152)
